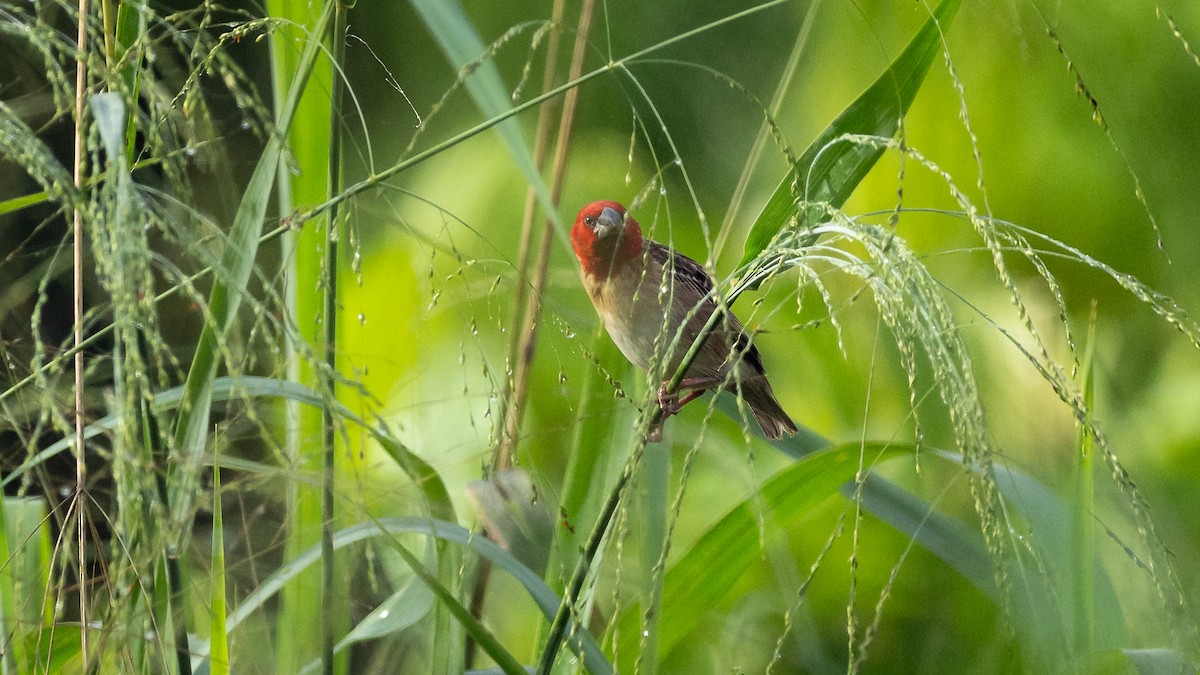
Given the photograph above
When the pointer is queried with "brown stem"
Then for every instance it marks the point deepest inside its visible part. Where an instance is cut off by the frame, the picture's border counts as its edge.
(528, 343)
(503, 455)
(77, 315)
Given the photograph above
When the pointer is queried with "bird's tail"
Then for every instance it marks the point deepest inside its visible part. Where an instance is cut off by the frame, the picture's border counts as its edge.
(771, 416)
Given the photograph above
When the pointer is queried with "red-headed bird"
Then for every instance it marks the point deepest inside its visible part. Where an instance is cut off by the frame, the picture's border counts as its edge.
(642, 290)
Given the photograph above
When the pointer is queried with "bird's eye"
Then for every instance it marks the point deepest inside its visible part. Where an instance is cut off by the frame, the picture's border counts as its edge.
(589, 220)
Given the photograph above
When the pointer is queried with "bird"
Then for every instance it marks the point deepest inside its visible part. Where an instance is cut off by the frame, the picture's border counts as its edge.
(644, 291)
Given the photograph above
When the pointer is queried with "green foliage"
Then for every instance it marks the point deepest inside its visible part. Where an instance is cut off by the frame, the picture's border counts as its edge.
(288, 419)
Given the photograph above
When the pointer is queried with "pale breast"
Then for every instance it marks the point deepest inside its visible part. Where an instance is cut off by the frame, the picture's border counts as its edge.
(635, 326)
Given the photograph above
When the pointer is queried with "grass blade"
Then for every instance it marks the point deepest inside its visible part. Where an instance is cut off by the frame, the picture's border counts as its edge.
(218, 636)
(1083, 533)
(828, 171)
(309, 137)
(191, 430)
(26, 555)
(546, 600)
(454, 33)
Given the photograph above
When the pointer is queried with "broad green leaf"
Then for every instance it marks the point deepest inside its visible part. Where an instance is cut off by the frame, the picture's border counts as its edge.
(829, 172)
(304, 181)
(956, 544)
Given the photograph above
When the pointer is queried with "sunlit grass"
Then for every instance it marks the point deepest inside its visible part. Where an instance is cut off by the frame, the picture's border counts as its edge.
(342, 442)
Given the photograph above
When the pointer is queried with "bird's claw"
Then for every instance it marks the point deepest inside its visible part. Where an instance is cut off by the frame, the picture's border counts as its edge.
(668, 402)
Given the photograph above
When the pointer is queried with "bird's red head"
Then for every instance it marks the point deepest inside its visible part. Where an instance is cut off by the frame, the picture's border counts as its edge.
(605, 238)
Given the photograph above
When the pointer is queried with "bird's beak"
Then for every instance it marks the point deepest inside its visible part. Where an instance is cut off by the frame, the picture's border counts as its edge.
(609, 223)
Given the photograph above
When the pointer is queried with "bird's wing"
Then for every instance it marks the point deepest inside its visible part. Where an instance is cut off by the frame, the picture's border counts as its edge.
(695, 281)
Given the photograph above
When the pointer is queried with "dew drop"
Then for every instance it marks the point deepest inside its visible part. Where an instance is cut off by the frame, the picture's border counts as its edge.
(362, 319)
(383, 613)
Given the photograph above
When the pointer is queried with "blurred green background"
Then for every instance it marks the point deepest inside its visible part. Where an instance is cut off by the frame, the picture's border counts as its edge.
(434, 328)
(1077, 120)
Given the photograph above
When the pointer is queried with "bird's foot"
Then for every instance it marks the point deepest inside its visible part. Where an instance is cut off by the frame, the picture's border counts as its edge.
(689, 389)
(668, 402)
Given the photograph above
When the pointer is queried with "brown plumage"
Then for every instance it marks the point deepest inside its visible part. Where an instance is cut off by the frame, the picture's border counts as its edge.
(624, 275)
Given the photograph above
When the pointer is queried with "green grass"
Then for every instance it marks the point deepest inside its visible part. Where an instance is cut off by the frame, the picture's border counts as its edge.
(330, 425)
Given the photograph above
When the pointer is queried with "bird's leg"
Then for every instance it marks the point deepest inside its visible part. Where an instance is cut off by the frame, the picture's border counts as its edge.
(689, 389)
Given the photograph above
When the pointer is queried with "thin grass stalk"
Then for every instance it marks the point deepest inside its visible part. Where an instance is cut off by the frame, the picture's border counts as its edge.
(77, 317)
(329, 584)
(558, 628)
(504, 449)
(527, 342)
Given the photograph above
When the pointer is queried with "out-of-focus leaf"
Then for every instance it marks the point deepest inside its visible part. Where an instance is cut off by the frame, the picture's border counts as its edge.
(26, 553)
(514, 517)
(402, 609)
(1135, 662)
(829, 173)
(804, 442)
(715, 562)
(546, 600)
(957, 545)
